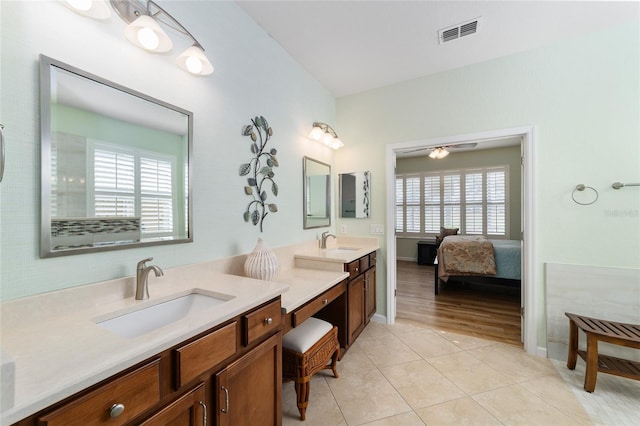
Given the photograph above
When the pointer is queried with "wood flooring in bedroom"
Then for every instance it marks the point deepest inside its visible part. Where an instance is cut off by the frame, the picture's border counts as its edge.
(489, 312)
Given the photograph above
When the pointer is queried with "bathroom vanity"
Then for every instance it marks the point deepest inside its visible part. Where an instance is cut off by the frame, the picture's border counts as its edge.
(349, 304)
(220, 365)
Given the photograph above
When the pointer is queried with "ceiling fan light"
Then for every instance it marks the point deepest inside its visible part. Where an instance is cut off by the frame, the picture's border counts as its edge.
(194, 61)
(146, 33)
(438, 153)
(92, 8)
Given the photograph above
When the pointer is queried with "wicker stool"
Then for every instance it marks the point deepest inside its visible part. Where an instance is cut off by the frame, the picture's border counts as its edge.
(306, 350)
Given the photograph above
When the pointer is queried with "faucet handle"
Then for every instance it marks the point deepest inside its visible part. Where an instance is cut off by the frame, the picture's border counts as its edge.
(142, 264)
(324, 234)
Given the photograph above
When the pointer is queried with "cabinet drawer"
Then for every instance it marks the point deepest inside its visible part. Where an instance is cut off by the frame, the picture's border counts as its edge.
(353, 268)
(372, 259)
(137, 392)
(318, 303)
(364, 263)
(200, 355)
(261, 322)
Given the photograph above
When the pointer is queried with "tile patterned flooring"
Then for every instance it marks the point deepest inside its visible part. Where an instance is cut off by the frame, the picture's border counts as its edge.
(408, 374)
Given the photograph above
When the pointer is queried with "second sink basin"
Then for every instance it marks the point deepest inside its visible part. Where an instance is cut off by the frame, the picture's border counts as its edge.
(339, 250)
(145, 320)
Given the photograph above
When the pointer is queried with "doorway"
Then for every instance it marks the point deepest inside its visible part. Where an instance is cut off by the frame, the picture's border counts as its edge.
(529, 312)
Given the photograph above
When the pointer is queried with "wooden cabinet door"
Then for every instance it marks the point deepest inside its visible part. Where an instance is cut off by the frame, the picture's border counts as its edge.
(370, 292)
(356, 315)
(188, 410)
(248, 392)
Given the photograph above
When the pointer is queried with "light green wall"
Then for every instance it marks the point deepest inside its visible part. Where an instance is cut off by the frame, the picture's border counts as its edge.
(582, 96)
(253, 76)
(407, 248)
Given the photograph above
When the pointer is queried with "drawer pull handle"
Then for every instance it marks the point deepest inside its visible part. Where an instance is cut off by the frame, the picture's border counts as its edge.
(268, 321)
(357, 270)
(226, 400)
(204, 413)
(116, 410)
(325, 301)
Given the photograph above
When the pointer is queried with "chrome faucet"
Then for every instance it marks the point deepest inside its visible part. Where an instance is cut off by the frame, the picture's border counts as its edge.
(325, 235)
(142, 276)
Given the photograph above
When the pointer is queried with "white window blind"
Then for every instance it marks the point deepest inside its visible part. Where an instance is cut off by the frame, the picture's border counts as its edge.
(114, 183)
(473, 200)
(134, 183)
(156, 195)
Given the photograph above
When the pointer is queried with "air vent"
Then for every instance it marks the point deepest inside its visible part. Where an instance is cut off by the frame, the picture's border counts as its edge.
(458, 31)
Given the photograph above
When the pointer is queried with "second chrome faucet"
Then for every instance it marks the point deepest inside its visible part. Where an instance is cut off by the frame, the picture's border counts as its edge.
(323, 242)
(142, 278)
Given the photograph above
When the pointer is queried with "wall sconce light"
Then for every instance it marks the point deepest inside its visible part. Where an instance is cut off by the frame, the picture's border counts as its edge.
(144, 30)
(438, 153)
(323, 133)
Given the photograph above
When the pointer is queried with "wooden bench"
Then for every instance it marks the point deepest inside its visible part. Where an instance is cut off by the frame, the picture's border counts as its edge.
(616, 333)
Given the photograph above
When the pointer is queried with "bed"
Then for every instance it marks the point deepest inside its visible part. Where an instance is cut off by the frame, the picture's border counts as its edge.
(487, 261)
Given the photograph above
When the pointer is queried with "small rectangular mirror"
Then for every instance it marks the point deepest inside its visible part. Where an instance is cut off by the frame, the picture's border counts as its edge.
(355, 195)
(115, 165)
(316, 193)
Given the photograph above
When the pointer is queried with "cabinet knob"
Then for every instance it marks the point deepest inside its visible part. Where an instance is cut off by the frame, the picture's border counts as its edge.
(325, 301)
(268, 321)
(116, 410)
(357, 269)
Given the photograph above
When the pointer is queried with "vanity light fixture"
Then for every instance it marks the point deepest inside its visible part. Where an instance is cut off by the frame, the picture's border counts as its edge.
(323, 133)
(438, 153)
(144, 29)
(96, 9)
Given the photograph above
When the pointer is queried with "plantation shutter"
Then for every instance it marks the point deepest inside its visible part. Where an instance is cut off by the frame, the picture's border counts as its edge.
(114, 183)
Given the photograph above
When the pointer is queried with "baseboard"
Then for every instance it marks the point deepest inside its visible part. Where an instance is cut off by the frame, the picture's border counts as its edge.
(408, 259)
(541, 352)
(382, 319)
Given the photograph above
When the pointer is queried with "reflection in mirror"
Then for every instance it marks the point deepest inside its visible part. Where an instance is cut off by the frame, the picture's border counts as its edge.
(355, 194)
(316, 193)
(116, 165)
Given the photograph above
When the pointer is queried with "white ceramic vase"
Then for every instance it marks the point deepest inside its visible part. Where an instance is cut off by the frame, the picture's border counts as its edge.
(261, 263)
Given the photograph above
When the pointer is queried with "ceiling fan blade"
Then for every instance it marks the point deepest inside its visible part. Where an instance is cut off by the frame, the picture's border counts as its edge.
(415, 150)
(463, 145)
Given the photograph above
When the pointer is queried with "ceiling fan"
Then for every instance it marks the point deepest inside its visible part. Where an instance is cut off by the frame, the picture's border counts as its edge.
(441, 151)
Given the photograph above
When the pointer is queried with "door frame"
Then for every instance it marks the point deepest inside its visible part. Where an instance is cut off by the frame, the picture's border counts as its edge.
(529, 273)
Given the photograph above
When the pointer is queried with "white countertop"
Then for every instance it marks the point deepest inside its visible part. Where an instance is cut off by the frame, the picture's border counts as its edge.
(306, 284)
(62, 351)
(342, 250)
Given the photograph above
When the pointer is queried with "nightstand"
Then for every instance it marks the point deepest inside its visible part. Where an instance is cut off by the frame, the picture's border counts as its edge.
(427, 251)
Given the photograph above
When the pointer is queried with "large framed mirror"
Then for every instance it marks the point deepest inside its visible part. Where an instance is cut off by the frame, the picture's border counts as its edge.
(355, 194)
(116, 165)
(316, 193)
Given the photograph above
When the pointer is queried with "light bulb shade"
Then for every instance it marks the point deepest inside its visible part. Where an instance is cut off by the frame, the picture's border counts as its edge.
(337, 143)
(316, 133)
(327, 139)
(96, 9)
(146, 33)
(194, 61)
(438, 153)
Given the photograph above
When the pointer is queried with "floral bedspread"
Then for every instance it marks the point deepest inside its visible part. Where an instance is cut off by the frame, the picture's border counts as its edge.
(465, 255)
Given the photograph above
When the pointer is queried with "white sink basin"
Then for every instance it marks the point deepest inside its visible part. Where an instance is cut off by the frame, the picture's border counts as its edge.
(145, 320)
(339, 250)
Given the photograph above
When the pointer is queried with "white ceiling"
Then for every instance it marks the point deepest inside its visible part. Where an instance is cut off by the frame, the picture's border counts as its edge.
(354, 46)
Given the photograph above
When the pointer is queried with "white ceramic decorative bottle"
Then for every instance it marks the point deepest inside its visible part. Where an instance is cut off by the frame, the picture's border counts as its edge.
(261, 263)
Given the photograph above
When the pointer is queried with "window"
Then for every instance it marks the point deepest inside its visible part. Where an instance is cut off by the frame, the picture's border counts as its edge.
(129, 182)
(474, 200)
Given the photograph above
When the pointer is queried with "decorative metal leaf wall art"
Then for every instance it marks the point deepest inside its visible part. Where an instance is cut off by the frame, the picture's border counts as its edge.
(365, 189)
(259, 171)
